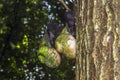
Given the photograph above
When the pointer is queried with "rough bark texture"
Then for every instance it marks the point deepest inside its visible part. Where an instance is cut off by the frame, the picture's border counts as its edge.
(98, 39)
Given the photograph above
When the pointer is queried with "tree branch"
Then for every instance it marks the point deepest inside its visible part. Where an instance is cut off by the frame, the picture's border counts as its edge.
(63, 3)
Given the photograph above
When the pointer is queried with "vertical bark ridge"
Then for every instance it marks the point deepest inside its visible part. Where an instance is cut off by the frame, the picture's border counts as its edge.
(116, 43)
(107, 72)
(78, 35)
(99, 17)
(90, 41)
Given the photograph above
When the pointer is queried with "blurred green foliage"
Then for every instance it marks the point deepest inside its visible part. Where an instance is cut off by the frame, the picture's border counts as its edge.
(22, 25)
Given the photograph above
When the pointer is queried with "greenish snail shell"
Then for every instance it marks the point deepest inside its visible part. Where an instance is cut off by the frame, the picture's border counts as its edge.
(66, 44)
(49, 56)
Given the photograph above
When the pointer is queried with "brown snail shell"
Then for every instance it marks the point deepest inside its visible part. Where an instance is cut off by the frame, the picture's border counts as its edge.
(53, 58)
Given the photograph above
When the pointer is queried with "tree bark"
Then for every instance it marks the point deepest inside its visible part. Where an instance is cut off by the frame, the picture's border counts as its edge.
(98, 39)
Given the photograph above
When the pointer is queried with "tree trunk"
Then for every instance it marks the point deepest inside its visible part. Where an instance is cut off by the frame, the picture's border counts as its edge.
(98, 39)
